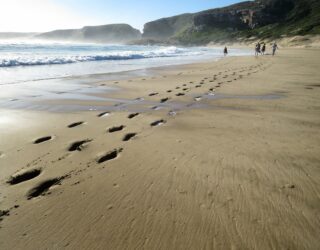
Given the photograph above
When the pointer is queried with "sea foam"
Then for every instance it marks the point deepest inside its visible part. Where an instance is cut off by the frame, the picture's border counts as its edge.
(48, 55)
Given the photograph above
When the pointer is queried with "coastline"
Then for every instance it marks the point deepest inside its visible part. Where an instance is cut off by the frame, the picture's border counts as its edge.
(234, 172)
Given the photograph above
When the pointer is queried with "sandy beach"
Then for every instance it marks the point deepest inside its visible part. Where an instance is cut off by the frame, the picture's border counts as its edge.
(214, 155)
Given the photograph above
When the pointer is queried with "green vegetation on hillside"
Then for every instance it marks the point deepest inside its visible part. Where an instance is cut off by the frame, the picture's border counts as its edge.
(304, 19)
(272, 19)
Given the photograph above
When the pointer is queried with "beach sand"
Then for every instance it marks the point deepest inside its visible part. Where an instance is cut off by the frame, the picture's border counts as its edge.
(234, 166)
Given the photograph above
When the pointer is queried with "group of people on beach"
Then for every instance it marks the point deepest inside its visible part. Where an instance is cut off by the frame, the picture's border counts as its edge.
(260, 48)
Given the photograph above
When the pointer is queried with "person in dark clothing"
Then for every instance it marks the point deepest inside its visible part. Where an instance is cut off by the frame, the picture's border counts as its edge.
(225, 51)
(258, 48)
(274, 48)
(263, 50)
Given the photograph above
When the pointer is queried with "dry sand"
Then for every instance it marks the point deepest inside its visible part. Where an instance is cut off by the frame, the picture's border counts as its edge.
(234, 170)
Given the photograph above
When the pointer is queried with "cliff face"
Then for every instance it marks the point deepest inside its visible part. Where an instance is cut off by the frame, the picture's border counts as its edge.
(238, 16)
(245, 15)
(260, 18)
(113, 33)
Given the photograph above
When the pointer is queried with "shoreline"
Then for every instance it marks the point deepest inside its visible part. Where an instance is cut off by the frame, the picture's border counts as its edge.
(51, 70)
(86, 86)
(235, 166)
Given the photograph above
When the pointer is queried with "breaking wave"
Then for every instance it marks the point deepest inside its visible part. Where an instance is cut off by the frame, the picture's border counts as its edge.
(33, 59)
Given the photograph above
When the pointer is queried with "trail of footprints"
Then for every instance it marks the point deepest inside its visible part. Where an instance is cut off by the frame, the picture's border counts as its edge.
(43, 187)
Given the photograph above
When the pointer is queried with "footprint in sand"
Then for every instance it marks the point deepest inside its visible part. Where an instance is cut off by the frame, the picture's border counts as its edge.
(180, 94)
(109, 155)
(116, 129)
(104, 114)
(130, 116)
(169, 91)
(43, 187)
(75, 124)
(42, 139)
(156, 108)
(129, 136)
(164, 99)
(153, 94)
(139, 99)
(198, 86)
(198, 98)
(24, 176)
(78, 145)
(157, 123)
(5, 212)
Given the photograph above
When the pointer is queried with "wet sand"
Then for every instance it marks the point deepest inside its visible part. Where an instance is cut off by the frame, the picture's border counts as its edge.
(221, 155)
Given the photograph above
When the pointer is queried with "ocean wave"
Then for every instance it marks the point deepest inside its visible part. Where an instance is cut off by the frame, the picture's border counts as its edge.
(40, 59)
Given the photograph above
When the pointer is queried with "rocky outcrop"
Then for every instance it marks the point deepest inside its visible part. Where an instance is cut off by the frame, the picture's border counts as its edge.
(112, 33)
(238, 16)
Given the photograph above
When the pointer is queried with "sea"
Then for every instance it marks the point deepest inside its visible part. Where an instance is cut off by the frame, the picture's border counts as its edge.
(33, 61)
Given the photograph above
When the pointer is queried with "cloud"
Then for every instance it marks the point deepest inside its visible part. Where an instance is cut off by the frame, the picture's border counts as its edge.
(38, 15)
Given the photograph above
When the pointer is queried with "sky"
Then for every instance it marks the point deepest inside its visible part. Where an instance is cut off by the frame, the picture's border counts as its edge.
(47, 15)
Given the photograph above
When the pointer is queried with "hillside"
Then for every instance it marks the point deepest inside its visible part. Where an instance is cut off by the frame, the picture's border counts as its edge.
(16, 35)
(241, 22)
(260, 19)
(112, 33)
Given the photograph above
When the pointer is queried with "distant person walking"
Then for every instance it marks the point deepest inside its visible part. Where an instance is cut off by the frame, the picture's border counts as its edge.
(274, 48)
(257, 49)
(263, 50)
(225, 51)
